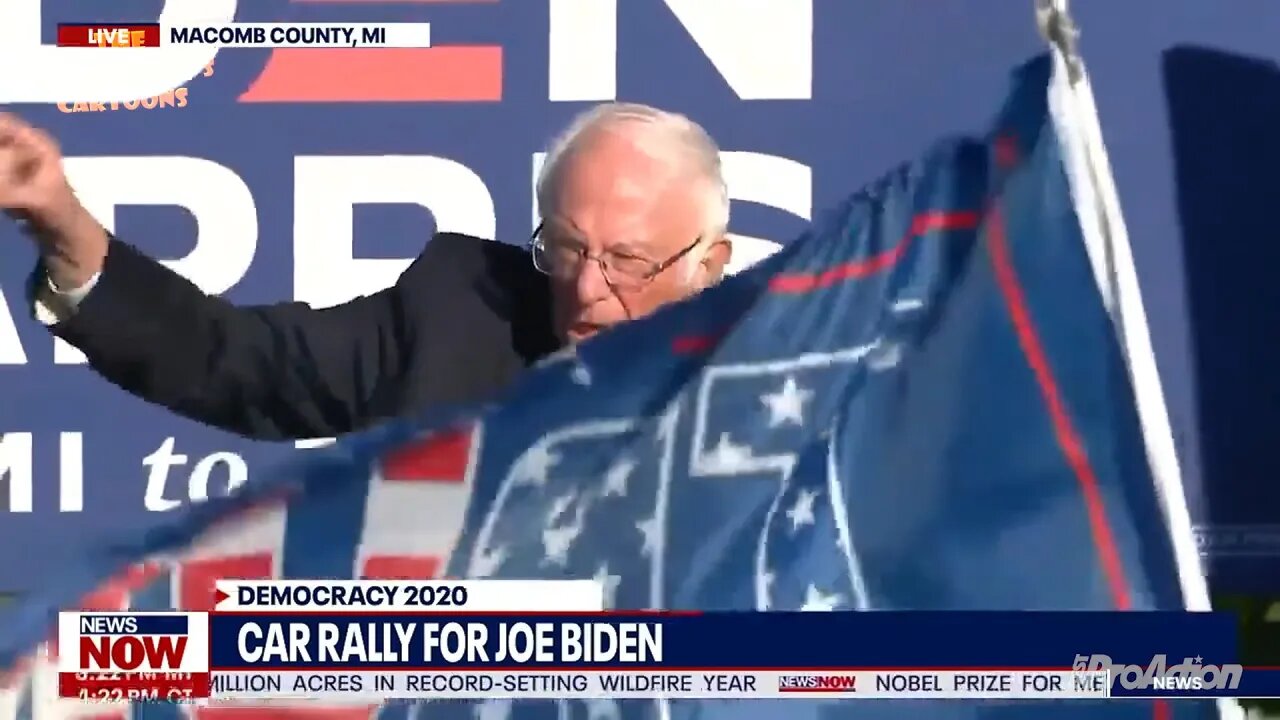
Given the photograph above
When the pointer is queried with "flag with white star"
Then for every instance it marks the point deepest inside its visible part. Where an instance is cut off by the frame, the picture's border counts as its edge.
(919, 404)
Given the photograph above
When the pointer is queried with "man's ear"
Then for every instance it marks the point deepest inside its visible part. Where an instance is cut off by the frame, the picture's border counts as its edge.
(714, 260)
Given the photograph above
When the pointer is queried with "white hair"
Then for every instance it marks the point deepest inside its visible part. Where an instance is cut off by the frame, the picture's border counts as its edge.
(667, 136)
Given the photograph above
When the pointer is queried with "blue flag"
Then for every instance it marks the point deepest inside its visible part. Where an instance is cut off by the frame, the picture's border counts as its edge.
(920, 404)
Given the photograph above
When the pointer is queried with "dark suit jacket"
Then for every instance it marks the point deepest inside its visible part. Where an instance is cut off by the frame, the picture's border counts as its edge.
(458, 326)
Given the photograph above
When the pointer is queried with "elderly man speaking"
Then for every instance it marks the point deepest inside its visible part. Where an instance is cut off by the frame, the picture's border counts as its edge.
(636, 212)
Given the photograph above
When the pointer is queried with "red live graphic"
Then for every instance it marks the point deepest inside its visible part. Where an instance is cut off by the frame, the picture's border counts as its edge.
(87, 35)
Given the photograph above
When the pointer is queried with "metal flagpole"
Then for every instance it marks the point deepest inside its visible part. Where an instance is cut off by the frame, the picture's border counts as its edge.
(1097, 204)
(1060, 31)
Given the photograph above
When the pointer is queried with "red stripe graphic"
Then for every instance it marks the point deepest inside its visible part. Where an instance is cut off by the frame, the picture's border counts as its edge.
(447, 73)
(453, 73)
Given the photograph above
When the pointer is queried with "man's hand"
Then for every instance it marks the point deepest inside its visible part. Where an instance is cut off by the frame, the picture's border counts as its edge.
(34, 189)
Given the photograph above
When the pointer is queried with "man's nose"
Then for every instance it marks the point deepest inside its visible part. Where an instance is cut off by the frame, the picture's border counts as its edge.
(591, 284)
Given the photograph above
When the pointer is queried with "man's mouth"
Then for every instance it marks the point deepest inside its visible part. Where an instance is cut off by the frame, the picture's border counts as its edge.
(581, 330)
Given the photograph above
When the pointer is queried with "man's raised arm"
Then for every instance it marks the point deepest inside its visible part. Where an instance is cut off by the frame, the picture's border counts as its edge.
(456, 327)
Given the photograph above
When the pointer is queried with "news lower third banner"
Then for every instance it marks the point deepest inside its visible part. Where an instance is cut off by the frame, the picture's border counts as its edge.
(244, 35)
(381, 640)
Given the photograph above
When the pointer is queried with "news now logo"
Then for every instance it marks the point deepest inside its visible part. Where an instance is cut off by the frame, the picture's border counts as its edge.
(125, 642)
(818, 683)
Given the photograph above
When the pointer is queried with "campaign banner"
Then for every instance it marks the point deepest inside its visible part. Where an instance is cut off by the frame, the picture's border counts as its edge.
(317, 175)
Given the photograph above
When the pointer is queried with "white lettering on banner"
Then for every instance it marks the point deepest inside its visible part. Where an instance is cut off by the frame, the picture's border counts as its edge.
(539, 159)
(326, 271)
(15, 464)
(762, 48)
(164, 458)
(220, 202)
(159, 463)
(17, 461)
(71, 472)
(582, 50)
(11, 352)
(90, 75)
(237, 474)
(771, 181)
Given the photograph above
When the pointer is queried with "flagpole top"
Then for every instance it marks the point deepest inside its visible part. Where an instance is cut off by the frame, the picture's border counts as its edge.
(1060, 31)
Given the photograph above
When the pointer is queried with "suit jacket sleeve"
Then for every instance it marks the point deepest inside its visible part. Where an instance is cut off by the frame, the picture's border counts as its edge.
(289, 371)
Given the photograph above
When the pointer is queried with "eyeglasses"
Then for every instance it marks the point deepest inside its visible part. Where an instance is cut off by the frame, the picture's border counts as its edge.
(564, 259)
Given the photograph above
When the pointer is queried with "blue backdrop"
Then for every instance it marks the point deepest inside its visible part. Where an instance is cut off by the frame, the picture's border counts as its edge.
(841, 98)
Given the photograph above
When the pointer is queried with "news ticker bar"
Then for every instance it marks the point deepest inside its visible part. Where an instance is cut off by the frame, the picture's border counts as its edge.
(352, 637)
(532, 685)
(245, 35)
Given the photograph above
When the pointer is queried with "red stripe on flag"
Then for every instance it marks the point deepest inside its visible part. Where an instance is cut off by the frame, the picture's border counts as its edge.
(400, 567)
(457, 73)
(1069, 440)
(808, 281)
(196, 577)
(693, 344)
(441, 457)
(114, 595)
(922, 223)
